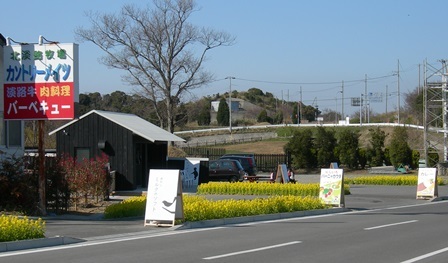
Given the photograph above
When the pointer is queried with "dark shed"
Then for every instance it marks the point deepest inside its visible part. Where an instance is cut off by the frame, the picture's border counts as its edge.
(133, 144)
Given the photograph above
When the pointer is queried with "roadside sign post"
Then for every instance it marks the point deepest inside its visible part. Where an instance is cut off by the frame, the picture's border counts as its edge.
(331, 189)
(427, 183)
(282, 174)
(164, 203)
(41, 83)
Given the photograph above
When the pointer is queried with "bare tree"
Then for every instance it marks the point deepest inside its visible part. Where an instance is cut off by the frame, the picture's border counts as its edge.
(161, 52)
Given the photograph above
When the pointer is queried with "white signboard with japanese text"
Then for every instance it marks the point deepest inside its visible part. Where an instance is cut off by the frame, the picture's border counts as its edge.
(427, 183)
(331, 190)
(41, 81)
(164, 197)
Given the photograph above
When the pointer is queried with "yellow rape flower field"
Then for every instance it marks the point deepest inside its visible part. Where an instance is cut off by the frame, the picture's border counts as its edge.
(13, 228)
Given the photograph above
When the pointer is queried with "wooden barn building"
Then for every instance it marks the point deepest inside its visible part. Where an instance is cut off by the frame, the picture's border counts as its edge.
(133, 144)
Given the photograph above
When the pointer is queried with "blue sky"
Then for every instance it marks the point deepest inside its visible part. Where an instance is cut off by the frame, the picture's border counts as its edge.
(282, 46)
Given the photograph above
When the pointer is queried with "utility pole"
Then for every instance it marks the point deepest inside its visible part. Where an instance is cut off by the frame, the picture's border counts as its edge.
(360, 110)
(336, 111)
(230, 103)
(300, 112)
(398, 91)
(387, 96)
(418, 89)
(342, 102)
(365, 95)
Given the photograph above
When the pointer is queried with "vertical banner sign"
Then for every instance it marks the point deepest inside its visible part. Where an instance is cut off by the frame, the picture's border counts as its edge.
(427, 183)
(164, 197)
(332, 187)
(41, 81)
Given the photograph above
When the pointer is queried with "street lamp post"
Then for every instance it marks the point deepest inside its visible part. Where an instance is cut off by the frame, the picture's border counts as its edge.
(230, 102)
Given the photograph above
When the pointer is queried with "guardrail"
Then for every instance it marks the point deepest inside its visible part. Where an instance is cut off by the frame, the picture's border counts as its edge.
(309, 125)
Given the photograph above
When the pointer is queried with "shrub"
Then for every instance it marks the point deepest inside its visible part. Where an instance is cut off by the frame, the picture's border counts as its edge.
(225, 188)
(18, 187)
(13, 228)
(134, 206)
(388, 180)
(199, 208)
(399, 150)
(86, 179)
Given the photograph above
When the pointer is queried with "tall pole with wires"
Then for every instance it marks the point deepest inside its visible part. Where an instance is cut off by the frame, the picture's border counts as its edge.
(342, 101)
(398, 91)
(230, 102)
(300, 109)
(365, 98)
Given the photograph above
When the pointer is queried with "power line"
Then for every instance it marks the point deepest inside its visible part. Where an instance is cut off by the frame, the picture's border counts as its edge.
(314, 83)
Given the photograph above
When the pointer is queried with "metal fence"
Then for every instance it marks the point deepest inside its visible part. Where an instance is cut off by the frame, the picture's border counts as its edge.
(203, 152)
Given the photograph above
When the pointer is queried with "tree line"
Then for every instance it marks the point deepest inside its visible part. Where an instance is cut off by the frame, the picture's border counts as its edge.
(317, 148)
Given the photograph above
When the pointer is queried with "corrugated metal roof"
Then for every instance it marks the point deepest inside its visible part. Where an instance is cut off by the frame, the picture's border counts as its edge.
(133, 123)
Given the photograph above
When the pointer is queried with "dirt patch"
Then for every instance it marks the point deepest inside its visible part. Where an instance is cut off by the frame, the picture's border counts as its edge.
(261, 147)
(92, 207)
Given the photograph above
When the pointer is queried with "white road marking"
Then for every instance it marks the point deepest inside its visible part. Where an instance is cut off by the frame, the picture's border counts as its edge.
(426, 255)
(102, 242)
(253, 250)
(388, 225)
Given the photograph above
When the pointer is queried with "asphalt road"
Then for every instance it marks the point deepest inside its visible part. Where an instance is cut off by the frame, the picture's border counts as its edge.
(385, 224)
(393, 234)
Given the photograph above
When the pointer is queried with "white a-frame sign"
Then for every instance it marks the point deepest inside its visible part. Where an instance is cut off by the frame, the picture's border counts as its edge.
(164, 204)
(332, 187)
(427, 183)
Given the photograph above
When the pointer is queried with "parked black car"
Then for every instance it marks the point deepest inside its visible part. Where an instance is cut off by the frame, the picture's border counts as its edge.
(226, 169)
(247, 162)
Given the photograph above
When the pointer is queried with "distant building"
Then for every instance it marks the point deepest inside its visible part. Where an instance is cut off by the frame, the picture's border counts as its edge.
(241, 110)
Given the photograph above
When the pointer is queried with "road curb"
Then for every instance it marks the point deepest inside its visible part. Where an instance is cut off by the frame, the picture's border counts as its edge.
(37, 243)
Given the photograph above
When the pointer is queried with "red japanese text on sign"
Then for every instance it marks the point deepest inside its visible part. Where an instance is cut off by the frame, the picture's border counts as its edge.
(38, 101)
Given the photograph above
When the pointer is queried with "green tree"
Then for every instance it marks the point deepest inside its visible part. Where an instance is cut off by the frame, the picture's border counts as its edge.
(278, 118)
(204, 115)
(301, 148)
(223, 114)
(310, 113)
(414, 105)
(118, 101)
(376, 149)
(182, 116)
(295, 115)
(255, 92)
(347, 147)
(262, 116)
(399, 150)
(160, 51)
(324, 145)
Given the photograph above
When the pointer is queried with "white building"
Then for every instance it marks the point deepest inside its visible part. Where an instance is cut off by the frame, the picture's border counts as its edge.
(241, 110)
